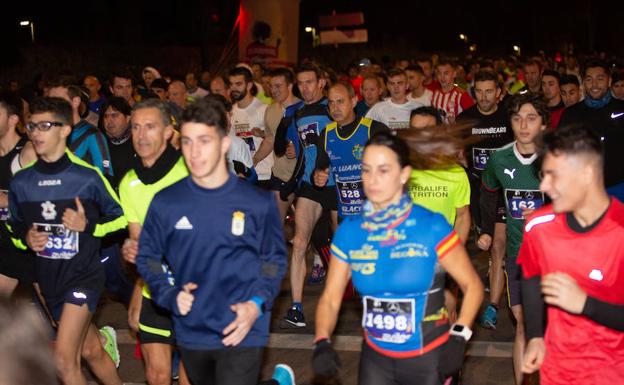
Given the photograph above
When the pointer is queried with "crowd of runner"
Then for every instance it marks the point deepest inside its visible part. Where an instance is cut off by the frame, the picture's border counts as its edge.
(173, 194)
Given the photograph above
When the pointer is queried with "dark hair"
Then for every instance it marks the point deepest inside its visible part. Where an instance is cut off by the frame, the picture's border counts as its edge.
(569, 79)
(163, 108)
(286, 73)
(396, 72)
(116, 103)
(71, 84)
(309, 67)
(552, 73)
(394, 143)
(427, 111)
(12, 103)
(443, 61)
(593, 63)
(533, 62)
(425, 59)
(573, 140)
(617, 76)
(221, 76)
(486, 75)
(536, 100)
(436, 147)
(415, 68)
(376, 78)
(123, 74)
(221, 99)
(207, 111)
(59, 107)
(238, 71)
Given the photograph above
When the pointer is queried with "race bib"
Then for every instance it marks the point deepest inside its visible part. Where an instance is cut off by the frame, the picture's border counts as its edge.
(518, 200)
(62, 243)
(243, 130)
(308, 134)
(351, 193)
(389, 320)
(480, 157)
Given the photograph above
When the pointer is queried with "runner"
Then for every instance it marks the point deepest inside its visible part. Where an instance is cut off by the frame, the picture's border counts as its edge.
(449, 98)
(223, 277)
(570, 90)
(68, 269)
(399, 273)
(490, 130)
(158, 166)
(418, 92)
(513, 170)
(371, 94)
(575, 247)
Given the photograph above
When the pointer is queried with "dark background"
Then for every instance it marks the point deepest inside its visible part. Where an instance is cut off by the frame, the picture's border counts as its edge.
(191, 34)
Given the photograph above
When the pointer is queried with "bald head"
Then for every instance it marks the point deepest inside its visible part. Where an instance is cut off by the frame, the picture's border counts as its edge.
(342, 100)
(177, 93)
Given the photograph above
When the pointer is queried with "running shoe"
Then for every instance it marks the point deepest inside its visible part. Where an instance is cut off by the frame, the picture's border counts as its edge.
(284, 375)
(317, 275)
(111, 344)
(294, 319)
(489, 317)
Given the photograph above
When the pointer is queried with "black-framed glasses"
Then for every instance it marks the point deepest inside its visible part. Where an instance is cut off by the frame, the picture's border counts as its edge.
(42, 126)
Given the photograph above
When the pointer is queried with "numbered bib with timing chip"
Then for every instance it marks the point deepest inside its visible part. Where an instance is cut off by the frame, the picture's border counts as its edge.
(480, 157)
(518, 200)
(351, 193)
(62, 243)
(389, 320)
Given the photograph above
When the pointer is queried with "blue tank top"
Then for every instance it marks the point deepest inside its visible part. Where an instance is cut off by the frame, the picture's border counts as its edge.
(394, 257)
(345, 164)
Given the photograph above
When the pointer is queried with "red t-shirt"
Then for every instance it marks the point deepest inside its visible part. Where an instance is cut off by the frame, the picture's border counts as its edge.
(452, 102)
(579, 350)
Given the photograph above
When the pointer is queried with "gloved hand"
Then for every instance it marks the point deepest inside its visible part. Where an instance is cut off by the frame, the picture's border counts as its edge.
(325, 361)
(452, 357)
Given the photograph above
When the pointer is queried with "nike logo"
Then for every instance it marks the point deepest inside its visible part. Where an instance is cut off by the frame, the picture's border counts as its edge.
(510, 172)
(616, 115)
(184, 224)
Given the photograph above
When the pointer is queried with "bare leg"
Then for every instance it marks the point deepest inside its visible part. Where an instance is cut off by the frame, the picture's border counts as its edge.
(157, 363)
(72, 331)
(7, 286)
(308, 212)
(497, 275)
(99, 361)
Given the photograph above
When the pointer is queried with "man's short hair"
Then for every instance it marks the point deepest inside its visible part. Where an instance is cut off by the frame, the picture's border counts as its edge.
(12, 103)
(376, 78)
(285, 72)
(123, 74)
(569, 79)
(242, 71)
(415, 68)
(573, 140)
(71, 84)
(425, 59)
(427, 111)
(163, 108)
(221, 76)
(536, 100)
(396, 72)
(209, 112)
(118, 104)
(59, 107)
(443, 61)
(309, 67)
(593, 63)
(221, 99)
(347, 86)
(486, 75)
(533, 62)
(617, 76)
(552, 73)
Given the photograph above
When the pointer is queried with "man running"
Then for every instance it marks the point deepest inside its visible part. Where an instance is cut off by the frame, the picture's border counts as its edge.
(450, 98)
(226, 251)
(574, 250)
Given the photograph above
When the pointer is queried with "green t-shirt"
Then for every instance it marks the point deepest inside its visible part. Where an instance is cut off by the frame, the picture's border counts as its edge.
(136, 197)
(517, 175)
(441, 191)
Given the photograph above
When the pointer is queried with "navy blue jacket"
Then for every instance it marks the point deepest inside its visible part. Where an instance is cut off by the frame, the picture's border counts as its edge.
(229, 241)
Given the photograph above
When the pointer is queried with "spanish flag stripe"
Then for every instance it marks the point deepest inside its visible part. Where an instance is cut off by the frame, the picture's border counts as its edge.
(447, 244)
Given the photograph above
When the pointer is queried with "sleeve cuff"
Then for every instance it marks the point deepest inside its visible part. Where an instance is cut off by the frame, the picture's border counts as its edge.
(259, 302)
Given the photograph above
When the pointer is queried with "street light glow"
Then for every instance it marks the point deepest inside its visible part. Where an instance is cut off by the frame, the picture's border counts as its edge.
(516, 48)
(463, 37)
(308, 29)
(24, 23)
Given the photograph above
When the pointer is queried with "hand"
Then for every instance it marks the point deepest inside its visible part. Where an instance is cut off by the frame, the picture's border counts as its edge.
(325, 360)
(290, 151)
(533, 355)
(257, 132)
(320, 177)
(246, 315)
(36, 240)
(129, 250)
(452, 357)
(527, 212)
(561, 290)
(484, 242)
(185, 299)
(75, 220)
(4, 200)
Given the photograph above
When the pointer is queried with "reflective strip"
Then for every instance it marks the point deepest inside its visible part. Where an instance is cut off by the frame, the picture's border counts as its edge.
(146, 292)
(151, 330)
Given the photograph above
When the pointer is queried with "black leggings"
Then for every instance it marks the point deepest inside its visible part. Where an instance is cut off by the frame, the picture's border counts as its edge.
(377, 369)
(227, 366)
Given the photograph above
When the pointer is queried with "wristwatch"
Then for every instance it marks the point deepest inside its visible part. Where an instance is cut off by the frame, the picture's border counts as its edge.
(461, 331)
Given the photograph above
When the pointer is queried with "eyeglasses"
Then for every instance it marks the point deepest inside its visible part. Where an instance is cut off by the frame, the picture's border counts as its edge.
(42, 126)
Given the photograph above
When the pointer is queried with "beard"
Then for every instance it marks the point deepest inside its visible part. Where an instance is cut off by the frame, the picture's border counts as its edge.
(238, 95)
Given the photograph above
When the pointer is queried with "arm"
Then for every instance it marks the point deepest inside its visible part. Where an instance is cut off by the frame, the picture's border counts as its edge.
(329, 304)
(28, 154)
(112, 216)
(265, 148)
(100, 156)
(15, 224)
(462, 223)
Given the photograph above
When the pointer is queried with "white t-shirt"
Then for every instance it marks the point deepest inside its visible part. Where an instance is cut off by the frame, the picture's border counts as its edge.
(395, 116)
(239, 151)
(243, 121)
(424, 99)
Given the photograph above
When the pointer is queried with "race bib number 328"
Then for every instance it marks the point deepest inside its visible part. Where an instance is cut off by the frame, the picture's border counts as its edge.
(389, 320)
